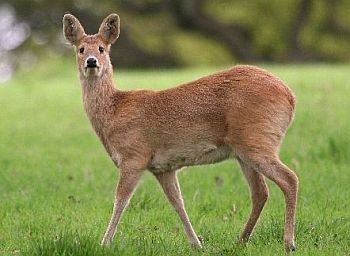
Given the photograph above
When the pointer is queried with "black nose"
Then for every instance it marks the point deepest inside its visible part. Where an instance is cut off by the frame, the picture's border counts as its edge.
(91, 62)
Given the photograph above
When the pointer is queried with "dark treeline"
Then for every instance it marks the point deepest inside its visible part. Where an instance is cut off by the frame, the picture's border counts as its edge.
(186, 32)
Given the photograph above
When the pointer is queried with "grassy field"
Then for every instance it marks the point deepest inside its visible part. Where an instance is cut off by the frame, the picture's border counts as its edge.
(57, 183)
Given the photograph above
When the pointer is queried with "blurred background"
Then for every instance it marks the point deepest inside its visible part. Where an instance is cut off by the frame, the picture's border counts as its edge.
(174, 33)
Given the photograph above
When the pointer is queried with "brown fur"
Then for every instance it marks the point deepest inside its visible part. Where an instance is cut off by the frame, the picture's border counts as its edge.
(241, 113)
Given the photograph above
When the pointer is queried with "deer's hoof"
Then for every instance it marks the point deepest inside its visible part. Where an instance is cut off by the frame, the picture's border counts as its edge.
(290, 246)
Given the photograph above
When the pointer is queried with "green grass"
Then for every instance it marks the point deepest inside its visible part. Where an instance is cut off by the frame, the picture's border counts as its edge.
(57, 183)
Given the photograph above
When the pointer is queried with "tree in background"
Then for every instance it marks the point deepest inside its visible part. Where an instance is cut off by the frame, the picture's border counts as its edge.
(163, 33)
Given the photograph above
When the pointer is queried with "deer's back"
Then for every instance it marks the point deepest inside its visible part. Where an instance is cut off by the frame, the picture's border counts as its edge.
(238, 96)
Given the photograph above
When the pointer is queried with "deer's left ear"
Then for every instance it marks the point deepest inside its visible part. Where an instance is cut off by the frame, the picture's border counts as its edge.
(110, 28)
(73, 31)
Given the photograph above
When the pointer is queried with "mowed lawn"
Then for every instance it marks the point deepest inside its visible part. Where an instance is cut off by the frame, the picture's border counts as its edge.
(57, 183)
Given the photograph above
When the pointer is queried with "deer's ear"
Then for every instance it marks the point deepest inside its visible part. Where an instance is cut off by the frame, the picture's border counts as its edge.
(110, 28)
(73, 31)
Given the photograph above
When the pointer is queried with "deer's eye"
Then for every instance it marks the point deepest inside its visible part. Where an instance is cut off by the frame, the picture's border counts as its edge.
(101, 49)
(81, 50)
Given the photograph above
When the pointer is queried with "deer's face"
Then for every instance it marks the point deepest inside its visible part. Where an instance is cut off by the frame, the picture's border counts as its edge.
(92, 56)
(92, 51)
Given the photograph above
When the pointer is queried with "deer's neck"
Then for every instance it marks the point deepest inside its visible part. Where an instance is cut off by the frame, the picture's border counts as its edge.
(99, 95)
(101, 102)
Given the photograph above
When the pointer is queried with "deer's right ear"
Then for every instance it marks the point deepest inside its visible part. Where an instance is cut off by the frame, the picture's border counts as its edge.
(110, 28)
(73, 31)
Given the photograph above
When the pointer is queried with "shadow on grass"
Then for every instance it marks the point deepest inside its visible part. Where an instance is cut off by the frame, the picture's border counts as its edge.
(69, 244)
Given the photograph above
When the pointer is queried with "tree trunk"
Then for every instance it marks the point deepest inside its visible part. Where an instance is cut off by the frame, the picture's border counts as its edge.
(303, 10)
(189, 15)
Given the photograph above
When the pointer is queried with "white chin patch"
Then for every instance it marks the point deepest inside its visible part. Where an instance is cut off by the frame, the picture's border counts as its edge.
(89, 72)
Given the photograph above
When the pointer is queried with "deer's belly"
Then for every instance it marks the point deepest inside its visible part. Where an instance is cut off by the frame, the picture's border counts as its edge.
(165, 160)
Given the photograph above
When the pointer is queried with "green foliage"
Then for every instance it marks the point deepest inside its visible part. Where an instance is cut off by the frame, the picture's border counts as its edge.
(57, 183)
(155, 33)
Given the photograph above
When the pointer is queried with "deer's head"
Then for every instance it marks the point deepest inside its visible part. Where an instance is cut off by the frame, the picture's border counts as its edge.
(92, 51)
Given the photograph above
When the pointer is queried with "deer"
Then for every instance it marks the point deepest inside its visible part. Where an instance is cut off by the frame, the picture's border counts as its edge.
(239, 113)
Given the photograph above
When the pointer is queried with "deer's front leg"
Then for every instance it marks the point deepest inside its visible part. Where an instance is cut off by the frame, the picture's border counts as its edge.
(128, 180)
(170, 185)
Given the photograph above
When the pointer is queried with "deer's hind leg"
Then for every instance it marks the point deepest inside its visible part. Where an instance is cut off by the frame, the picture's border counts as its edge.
(286, 179)
(259, 195)
(271, 167)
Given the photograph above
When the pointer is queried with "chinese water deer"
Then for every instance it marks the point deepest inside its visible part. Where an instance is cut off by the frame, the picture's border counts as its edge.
(241, 113)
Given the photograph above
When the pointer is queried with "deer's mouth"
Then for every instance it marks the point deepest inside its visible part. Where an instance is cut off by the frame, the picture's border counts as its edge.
(92, 67)
(91, 71)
